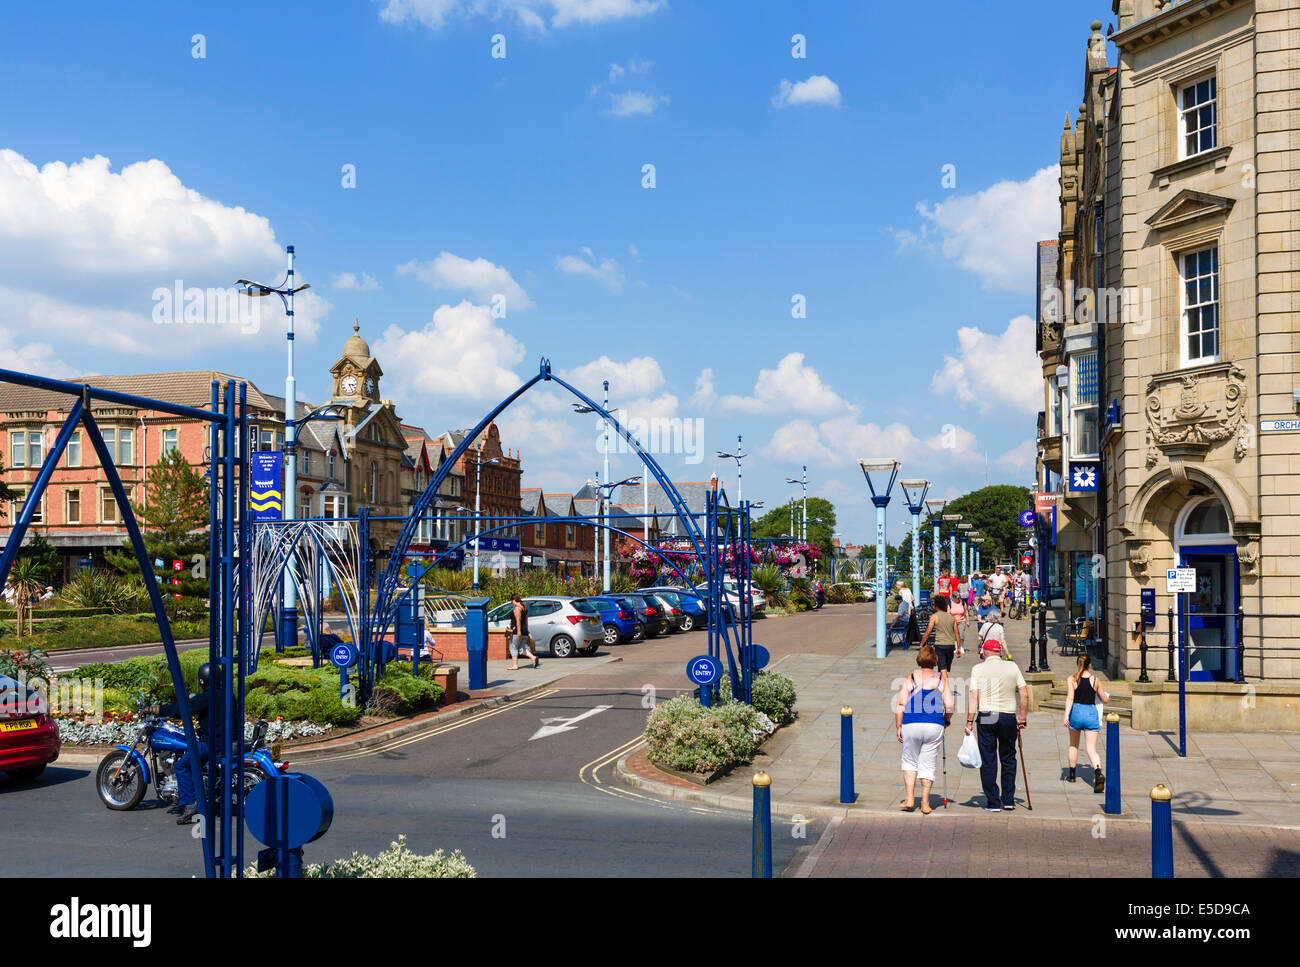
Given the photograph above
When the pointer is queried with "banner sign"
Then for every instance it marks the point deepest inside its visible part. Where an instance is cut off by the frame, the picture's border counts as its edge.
(498, 544)
(264, 494)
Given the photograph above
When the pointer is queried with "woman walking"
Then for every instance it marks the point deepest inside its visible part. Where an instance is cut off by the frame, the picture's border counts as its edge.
(960, 613)
(1084, 691)
(924, 709)
(947, 636)
(519, 634)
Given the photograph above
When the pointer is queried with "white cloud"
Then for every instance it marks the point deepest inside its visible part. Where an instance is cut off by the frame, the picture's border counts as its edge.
(349, 280)
(634, 66)
(791, 387)
(606, 270)
(995, 371)
(818, 89)
(640, 376)
(990, 232)
(480, 278)
(1020, 457)
(531, 13)
(460, 353)
(705, 395)
(626, 104)
(32, 357)
(842, 441)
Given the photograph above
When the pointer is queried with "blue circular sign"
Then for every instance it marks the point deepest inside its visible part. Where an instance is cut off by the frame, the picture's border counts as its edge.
(762, 657)
(343, 655)
(703, 670)
(1027, 518)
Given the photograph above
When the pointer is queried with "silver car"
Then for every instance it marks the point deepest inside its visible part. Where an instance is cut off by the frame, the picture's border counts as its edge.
(563, 626)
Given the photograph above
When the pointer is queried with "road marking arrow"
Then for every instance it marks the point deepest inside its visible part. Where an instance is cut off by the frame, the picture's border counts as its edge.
(554, 726)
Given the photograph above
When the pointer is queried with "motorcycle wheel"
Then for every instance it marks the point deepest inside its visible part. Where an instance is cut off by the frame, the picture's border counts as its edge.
(252, 776)
(120, 783)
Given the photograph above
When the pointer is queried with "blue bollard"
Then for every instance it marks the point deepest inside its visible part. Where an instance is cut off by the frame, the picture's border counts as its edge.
(848, 794)
(1112, 806)
(1162, 833)
(762, 867)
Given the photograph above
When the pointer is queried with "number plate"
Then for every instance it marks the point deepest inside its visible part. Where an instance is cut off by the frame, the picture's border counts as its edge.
(20, 726)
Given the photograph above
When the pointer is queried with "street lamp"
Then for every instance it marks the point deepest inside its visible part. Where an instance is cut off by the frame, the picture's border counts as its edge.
(604, 439)
(914, 492)
(802, 531)
(952, 520)
(963, 532)
(478, 498)
(737, 456)
(881, 500)
(606, 492)
(935, 506)
(286, 291)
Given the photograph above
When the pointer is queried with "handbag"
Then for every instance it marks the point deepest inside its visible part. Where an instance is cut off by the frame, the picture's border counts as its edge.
(969, 753)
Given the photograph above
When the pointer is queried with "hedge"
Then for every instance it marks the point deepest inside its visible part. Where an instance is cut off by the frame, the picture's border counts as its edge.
(681, 734)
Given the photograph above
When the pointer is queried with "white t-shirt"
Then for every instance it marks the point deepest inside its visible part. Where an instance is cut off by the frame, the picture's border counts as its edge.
(905, 593)
(999, 581)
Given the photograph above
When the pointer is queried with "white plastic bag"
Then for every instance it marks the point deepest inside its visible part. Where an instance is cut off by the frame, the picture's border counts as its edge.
(969, 753)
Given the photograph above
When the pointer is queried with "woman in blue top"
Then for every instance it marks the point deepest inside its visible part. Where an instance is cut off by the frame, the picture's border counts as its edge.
(923, 711)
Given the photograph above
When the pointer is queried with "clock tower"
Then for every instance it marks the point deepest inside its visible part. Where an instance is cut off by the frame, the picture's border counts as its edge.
(357, 373)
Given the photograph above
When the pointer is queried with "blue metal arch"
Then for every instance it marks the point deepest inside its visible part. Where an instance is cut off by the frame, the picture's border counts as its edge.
(385, 599)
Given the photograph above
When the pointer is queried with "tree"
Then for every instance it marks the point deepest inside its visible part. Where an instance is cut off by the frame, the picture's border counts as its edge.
(993, 511)
(776, 523)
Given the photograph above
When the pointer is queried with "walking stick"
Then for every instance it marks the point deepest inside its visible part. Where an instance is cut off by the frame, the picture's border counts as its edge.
(1029, 802)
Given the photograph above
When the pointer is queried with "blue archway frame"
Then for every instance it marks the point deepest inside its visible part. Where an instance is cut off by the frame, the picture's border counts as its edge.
(386, 599)
(226, 425)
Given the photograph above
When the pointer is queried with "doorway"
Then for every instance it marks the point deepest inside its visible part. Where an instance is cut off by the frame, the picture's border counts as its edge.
(1209, 612)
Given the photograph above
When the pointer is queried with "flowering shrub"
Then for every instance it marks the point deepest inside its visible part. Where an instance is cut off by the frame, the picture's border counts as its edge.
(396, 862)
(121, 730)
(681, 734)
(773, 696)
(24, 663)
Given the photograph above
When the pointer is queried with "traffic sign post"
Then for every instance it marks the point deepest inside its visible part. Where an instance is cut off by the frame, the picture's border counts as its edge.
(704, 671)
(343, 656)
(1182, 580)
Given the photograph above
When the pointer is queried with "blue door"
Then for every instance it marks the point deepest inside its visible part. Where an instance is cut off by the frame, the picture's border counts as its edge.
(1210, 611)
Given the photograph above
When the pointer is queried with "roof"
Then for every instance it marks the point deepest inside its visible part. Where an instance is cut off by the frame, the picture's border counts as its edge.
(530, 499)
(186, 388)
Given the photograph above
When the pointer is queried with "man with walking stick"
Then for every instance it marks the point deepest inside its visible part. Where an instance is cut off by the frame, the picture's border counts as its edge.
(999, 697)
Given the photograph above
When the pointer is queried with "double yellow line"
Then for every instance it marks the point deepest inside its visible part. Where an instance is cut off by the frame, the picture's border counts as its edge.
(430, 733)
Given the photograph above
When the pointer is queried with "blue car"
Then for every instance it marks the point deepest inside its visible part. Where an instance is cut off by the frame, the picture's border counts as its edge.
(620, 622)
(689, 602)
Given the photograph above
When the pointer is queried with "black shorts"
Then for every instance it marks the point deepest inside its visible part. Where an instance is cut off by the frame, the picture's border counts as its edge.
(945, 655)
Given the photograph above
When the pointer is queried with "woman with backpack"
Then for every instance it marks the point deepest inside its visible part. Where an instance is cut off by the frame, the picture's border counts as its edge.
(1082, 715)
(924, 709)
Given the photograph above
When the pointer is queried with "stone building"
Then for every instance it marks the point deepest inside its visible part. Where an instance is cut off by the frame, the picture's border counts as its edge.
(1171, 431)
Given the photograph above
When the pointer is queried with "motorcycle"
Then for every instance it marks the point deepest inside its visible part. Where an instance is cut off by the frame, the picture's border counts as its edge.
(124, 775)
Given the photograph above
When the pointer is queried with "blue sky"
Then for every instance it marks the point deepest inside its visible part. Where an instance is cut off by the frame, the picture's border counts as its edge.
(521, 177)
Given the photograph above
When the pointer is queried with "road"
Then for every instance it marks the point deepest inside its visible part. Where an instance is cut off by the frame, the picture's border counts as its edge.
(515, 806)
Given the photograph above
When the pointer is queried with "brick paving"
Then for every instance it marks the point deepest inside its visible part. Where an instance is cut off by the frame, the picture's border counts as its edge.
(1020, 845)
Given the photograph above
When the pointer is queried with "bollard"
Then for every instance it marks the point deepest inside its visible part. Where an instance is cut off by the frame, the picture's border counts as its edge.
(1112, 806)
(1162, 833)
(1143, 646)
(762, 867)
(848, 794)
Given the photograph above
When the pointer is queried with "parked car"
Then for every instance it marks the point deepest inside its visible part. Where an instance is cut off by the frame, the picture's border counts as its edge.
(651, 614)
(563, 626)
(669, 606)
(620, 622)
(29, 737)
(731, 591)
(694, 613)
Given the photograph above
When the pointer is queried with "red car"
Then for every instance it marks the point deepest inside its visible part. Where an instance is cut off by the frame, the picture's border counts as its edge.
(29, 738)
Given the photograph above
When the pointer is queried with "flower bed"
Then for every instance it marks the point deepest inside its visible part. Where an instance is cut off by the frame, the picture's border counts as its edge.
(120, 730)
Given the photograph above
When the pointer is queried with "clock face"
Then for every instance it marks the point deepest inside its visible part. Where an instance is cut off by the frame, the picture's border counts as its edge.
(349, 384)
(370, 385)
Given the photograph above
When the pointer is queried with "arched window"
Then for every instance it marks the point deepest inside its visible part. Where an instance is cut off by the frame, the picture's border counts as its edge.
(1206, 518)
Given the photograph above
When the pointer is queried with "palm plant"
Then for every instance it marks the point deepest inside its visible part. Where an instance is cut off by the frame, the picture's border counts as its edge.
(28, 578)
(771, 582)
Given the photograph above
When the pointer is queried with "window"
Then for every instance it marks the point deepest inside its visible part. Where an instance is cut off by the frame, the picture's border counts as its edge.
(170, 442)
(1200, 272)
(1083, 405)
(539, 533)
(26, 448)
(107, 507)
(569, 538)
(20, 501)
(331, 462)
(1198, 121)
(72, 506)
(73, 452)
(306, 462)
(120, 444)
(373, 472)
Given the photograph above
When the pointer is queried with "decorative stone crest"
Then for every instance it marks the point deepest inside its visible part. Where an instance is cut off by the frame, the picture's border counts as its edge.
(1188, 412)
(1139, 557)
(1248, 556)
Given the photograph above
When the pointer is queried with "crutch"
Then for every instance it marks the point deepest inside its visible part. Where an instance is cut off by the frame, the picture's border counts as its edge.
(1029, 803)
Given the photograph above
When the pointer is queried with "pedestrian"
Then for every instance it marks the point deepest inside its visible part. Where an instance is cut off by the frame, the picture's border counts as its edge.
(999, 697)
(957, 608)
(984, 608)
(980, 585)
(519, 640)
(992, 629)
(1083, 693)
(428, 645)
(947, 636)
(923, 711)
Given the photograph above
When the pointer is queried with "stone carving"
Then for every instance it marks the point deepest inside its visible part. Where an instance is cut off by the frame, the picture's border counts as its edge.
(1189, 412)
(1139, 558)
(1248, 556)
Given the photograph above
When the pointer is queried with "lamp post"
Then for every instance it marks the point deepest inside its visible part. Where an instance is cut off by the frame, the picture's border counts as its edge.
(478, 497)
(914, 492)
(881, 500)
(286, 291)
(952, 520)
(935, 506)
(964, 530)
(802, 532)
(606, 492)
(737, 456)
